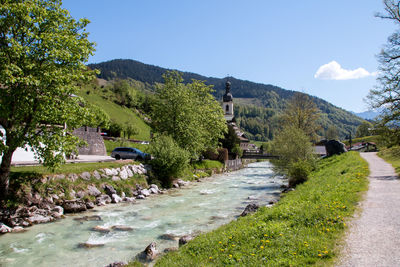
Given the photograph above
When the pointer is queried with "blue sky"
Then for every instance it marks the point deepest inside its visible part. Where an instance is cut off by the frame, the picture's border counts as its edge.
(284, 43)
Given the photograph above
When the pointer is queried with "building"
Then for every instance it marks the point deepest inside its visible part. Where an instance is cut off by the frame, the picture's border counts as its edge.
(227, 103)
(227, 106)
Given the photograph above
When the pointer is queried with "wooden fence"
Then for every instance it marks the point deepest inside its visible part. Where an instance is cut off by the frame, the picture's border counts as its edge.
(234, 164)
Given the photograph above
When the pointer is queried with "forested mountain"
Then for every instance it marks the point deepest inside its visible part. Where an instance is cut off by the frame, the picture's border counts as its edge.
(258, 119)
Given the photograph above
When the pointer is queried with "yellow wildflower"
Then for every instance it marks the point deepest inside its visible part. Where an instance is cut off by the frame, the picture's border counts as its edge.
(261, 247)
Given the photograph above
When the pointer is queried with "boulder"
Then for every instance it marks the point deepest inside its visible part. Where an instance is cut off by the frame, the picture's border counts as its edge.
(89, 205)
(123, 174)
(101, 229)
(149, 254)
(80, 194)
(72, 206)
(170, 250)
(175, 185)
(116, 178)
(115, 198)
(4, 228)
(130, 173)
(109, 190)
(96, 175)
(37, 218)
(334, 147)
(140, 197)
(103, 200)
(122, 228)
(154, 186)
(170, 237)
(185, 239)
(58, 209)
(88, 218)
(181, 182)
(72, 177)
(250, 209)
(108, 172)
(93, 191)
(145, 192)
(129, 199)
(153, 191)
(18, 229)
(85, 176)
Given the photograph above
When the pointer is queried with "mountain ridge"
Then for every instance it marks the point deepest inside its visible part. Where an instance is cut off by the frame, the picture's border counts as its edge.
(270, 96)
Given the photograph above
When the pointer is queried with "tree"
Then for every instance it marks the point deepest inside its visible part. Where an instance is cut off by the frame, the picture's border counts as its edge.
(302, 113)
(169, 159)
(332, 133)
(296, 154)
(386, 94)
(189, 114)
(42, 55)
(130, 130)
(364, 129)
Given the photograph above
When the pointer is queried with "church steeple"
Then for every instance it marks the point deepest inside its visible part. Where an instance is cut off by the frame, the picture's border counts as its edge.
(227, 103)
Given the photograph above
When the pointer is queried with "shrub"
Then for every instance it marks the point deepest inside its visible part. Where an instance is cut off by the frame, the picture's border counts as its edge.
(296, 154)
(169, 159)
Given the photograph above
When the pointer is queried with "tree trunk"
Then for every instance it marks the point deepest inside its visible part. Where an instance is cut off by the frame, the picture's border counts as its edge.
(5, 173)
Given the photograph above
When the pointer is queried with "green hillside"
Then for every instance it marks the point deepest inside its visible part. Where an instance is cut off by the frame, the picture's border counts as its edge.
(117, 113)
(259, 104)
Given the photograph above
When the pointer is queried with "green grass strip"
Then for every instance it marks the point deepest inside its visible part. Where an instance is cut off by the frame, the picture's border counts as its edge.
(71, 167)
(301, 230)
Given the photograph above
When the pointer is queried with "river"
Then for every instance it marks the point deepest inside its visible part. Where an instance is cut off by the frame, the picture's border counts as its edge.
(198, 207)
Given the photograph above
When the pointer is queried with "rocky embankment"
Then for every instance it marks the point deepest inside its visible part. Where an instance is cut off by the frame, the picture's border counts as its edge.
(52, 205)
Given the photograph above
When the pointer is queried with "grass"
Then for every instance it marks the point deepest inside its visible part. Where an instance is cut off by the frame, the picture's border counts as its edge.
(71, 167)
(207, 164)
(300, 230)
(119, 114)
(373, 138)
(391, 155)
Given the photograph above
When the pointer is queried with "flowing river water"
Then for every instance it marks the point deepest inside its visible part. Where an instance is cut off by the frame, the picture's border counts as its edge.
(198, 207)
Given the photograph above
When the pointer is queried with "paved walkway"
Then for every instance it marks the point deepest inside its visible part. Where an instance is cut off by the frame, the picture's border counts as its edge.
(374, 236)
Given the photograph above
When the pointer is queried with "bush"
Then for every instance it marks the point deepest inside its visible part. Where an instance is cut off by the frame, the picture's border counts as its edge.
(169, 159)
(296, 154)
(298, 172)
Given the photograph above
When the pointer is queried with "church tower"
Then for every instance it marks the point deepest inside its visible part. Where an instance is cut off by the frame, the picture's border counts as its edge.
(227, 102)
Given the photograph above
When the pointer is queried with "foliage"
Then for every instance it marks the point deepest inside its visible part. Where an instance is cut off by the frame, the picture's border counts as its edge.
(169, 158)
(300, 230)
(332, 133)
(42, 56)
(302, 113)
(230, 141)
(129, 130)
(294, 148)
(387, 94)
(189, 114)
(207, 164)
(364, 129)
(391, 155)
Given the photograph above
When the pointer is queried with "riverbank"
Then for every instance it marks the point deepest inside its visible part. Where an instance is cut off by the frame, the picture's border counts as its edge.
(302, 229)
(197, 207)
(39, 196)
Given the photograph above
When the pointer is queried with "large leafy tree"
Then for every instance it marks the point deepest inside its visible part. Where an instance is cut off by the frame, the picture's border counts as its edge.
(386, 94)
(42, 55)
(302, 113)
(189, 114)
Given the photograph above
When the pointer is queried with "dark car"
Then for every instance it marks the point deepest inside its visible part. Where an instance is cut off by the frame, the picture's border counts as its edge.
(129, 153)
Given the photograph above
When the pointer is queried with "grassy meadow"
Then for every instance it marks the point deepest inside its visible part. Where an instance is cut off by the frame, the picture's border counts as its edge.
(302, 229)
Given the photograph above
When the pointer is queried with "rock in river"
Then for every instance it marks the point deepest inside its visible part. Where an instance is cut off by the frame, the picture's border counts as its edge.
(185, 239)
(90, 245)
(101, 229)
(72, 206)
(122, 228)
(250, 209)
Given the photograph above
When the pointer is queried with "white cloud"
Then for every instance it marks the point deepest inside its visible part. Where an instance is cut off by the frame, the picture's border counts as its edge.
(333, 71)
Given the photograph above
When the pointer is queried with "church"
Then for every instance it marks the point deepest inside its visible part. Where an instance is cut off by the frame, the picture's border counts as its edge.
(227, 106)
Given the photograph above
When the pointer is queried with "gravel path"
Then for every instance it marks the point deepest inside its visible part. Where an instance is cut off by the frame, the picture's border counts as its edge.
(373, 238)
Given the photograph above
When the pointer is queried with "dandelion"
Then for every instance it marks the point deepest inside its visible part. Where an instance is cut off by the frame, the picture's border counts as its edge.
(233, 246)
(219, 242)
(230, 237)
(319, 255)
(210, 258)
(265, 235)
(261, 247)
(294, 253)
(222, 249)
(252, 254)
(230, 255)
(267, 241)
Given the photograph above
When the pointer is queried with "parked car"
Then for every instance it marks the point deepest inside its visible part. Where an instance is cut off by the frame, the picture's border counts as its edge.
(129, 153)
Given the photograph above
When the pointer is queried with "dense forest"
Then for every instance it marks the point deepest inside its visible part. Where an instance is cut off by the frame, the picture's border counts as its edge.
(259, 119)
